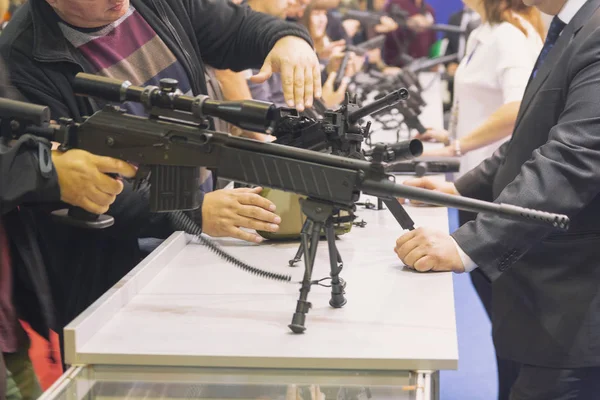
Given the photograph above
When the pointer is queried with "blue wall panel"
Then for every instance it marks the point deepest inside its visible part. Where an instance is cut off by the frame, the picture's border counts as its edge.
(444, 8)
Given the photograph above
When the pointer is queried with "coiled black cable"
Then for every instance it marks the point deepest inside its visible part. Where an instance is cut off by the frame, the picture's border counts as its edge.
(184, 223)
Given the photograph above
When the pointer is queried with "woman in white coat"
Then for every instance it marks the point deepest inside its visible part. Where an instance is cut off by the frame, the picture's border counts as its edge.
(490, 80)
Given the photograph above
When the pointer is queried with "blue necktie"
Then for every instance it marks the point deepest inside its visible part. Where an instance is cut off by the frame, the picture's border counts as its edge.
(556, 28)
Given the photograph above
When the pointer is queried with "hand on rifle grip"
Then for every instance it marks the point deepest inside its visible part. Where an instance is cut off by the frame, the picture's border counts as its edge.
(84, 184)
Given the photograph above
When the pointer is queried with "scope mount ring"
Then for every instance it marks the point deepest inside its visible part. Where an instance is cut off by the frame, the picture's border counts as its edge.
(146, 96)
(197, 105)
(123, 91)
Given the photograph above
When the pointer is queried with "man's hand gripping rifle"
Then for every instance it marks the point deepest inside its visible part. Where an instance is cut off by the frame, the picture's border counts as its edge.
(173, 142)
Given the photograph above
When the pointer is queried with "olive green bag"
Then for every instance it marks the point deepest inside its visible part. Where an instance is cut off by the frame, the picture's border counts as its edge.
(292, 219)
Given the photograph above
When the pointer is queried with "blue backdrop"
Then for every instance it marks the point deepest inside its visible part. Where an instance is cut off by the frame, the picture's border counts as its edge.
(444, 8)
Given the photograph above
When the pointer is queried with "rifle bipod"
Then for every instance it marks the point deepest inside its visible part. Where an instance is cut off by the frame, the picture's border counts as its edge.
(319, 216)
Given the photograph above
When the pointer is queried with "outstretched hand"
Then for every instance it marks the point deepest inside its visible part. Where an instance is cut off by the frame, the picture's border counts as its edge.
(297, 63)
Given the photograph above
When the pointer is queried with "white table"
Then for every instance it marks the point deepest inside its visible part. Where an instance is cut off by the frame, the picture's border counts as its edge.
(184, 307)
(185, 320)
(195, 309)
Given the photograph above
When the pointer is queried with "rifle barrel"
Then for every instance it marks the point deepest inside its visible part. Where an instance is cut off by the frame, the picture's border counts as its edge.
(390, 99)
(421, 65)
(390, 190)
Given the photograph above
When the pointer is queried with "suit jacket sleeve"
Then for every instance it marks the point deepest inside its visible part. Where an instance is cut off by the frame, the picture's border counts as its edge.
(477, 183)
(567, 162)
(235, 37)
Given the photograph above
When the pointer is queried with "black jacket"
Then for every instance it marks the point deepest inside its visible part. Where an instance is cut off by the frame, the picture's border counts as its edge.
(83, 264)
(27, 176)
(546, 283)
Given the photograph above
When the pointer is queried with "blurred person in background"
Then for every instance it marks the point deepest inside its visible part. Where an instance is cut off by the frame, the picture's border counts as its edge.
(466, 19)
(414, 39)
(490, 80)
(360, 33)
(271, 90)
(328, 51)
(295, 12)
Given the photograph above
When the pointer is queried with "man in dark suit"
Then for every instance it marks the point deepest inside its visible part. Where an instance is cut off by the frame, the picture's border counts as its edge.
(546, 283)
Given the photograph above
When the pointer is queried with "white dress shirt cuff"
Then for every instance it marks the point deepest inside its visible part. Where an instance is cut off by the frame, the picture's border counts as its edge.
(466, 260)
(429, 18)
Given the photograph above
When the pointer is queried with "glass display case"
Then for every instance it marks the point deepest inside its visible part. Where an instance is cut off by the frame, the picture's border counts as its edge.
(162, 383)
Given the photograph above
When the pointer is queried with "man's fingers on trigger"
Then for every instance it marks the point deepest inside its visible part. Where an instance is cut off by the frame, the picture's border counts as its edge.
(107, 184)
(114, 166)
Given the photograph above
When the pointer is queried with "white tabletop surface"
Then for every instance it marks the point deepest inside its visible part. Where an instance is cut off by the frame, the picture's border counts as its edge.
(198, 310)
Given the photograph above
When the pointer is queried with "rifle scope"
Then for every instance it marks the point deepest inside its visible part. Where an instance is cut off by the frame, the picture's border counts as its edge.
(253, 115)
